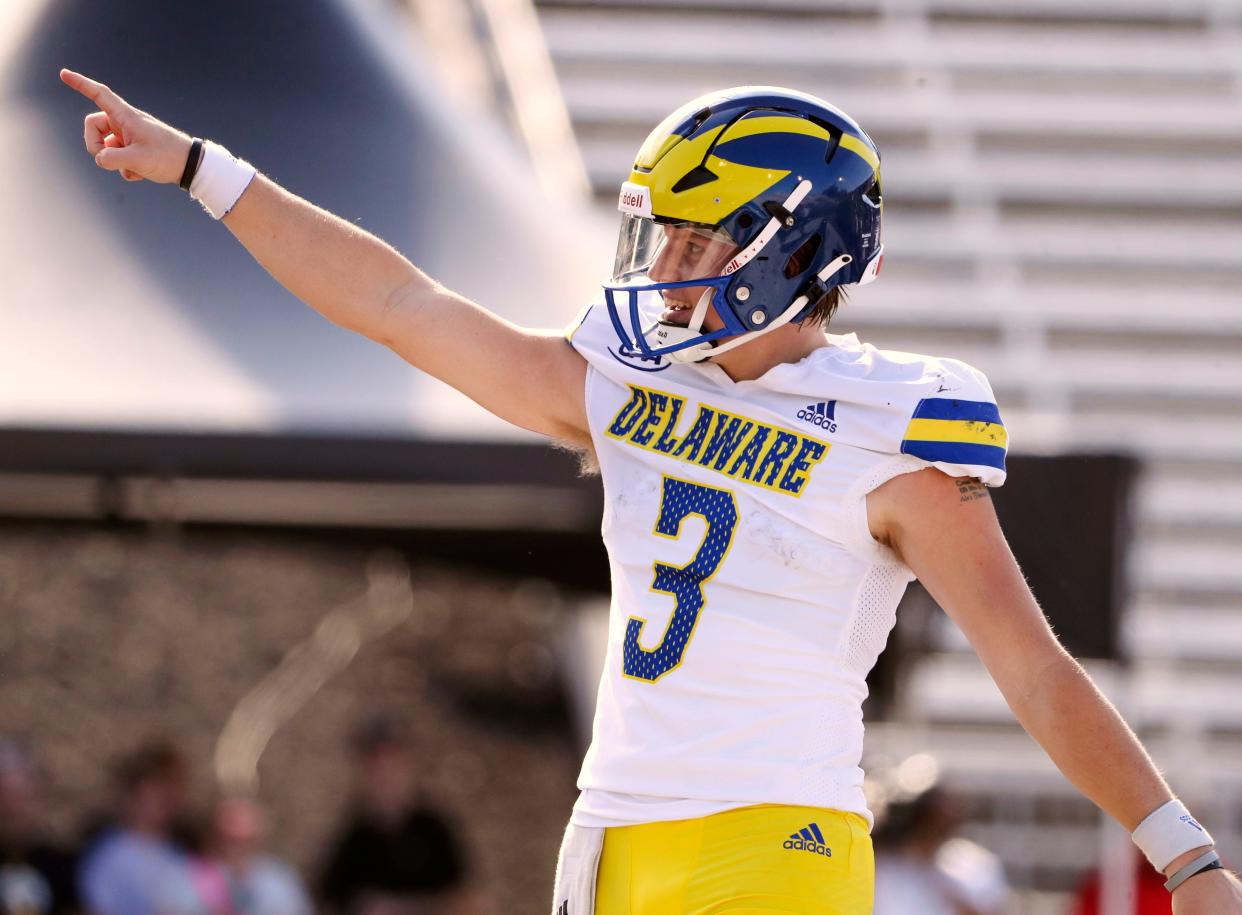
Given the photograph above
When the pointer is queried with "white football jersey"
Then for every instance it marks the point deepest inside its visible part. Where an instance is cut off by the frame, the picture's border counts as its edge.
(749, 599)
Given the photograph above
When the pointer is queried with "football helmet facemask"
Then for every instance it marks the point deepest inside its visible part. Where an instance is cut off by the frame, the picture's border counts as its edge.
(756, 200)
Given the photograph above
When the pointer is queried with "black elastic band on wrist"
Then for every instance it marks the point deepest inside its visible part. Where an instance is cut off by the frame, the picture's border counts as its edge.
(191, 164)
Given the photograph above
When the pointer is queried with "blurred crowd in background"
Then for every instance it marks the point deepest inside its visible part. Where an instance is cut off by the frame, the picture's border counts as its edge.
(146, 852)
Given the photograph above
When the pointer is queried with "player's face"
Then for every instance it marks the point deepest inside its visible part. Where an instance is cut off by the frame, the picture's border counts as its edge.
(688, 253)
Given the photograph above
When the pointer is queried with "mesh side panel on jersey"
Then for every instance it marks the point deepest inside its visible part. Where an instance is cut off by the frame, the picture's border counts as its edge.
(875, 612)
(872, 617)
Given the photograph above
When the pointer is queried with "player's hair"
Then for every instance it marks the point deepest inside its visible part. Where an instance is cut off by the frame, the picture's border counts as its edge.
(821, 314)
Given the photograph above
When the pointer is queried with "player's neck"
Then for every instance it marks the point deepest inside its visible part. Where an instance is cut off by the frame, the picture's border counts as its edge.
(752, 360)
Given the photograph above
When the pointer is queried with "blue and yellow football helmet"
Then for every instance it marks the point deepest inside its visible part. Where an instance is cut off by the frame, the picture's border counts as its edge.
(763, 198)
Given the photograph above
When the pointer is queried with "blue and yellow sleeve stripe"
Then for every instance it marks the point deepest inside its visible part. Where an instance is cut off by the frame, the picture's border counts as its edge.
(957, 432)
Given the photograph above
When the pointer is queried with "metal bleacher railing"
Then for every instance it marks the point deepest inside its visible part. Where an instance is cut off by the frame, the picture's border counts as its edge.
(1063, 186)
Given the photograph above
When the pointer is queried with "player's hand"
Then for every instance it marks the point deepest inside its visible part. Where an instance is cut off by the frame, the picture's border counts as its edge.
(1214, 893)
(124, 139)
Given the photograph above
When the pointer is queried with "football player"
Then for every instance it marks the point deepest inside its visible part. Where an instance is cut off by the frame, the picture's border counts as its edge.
(770, 491)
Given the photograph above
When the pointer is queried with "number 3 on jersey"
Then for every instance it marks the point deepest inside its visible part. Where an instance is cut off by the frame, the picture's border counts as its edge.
(680, 500)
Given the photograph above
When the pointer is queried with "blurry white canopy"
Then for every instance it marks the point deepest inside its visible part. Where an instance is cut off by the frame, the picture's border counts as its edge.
(127, 308)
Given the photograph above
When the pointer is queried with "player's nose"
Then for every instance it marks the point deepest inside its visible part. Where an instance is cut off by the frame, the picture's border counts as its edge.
(660, 270)
(668, 265)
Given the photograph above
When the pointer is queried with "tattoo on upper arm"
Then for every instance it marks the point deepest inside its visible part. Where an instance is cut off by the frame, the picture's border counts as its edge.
(970, 489)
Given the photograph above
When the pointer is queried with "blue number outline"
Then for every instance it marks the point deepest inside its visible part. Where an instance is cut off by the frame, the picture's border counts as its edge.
(674, 580)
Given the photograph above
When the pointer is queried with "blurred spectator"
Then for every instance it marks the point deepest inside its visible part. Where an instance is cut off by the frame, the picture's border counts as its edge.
(1150, 896)
(133, 867)
(36, 877)
(920, 865)
(234, 877)
(395, 855)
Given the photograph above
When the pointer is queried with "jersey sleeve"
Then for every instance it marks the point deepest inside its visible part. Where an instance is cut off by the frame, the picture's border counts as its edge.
(572, 328)
(590, 333)
(957, 427)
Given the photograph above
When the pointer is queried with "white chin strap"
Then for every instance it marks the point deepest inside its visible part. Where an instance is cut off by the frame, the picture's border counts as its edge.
(669, 334)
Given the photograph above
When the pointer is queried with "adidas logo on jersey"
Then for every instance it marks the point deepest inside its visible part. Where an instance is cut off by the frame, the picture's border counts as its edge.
(822, 414)
(809, 838)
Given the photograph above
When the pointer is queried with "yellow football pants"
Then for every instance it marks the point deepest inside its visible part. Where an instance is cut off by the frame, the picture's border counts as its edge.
(751, 861)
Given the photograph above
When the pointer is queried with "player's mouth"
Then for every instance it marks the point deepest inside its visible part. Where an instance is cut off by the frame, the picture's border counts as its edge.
(676, 313)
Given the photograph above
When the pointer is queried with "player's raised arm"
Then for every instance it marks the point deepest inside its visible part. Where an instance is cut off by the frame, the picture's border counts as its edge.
(530, 378)
(946, 531)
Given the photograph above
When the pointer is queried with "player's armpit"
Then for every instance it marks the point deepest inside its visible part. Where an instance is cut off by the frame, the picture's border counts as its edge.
(582, 448)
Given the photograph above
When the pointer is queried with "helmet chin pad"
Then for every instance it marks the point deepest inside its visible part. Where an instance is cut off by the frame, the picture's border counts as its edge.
(667, 334)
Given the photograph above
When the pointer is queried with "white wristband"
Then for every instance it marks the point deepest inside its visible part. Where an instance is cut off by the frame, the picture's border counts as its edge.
(1167, 832)
(220, 179)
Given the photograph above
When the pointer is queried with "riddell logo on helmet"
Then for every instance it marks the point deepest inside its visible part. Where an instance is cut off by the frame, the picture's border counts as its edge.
(634, 199)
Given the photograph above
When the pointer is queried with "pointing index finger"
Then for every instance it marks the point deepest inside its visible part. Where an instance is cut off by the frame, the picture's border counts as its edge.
(101, 95)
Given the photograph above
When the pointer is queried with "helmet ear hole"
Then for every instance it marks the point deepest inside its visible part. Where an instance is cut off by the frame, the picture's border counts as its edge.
(801, 259)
